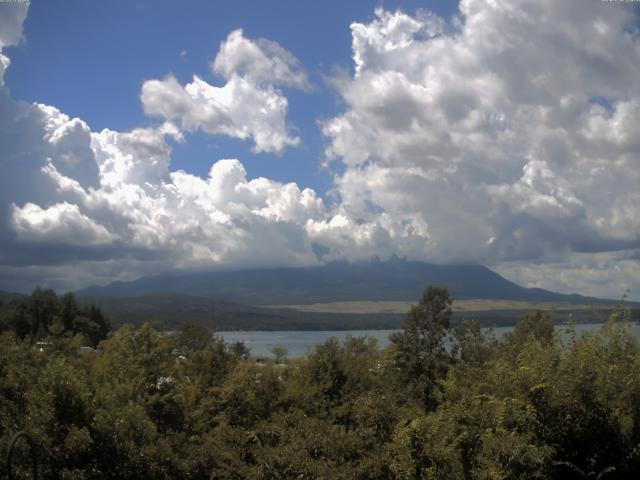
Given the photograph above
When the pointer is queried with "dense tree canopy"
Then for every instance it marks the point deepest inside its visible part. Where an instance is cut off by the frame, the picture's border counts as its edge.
(44, 314)
(438, 403)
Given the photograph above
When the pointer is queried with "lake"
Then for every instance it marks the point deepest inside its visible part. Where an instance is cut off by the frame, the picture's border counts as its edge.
(299, 343)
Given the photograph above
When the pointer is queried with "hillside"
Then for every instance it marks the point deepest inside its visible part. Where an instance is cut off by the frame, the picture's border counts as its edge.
(393, 280)
(6, 297)
(337, 296)
(169, 311)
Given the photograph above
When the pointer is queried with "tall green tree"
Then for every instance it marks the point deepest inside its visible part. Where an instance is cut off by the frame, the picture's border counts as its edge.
(193, 336)
(419, 351)
(44, 308)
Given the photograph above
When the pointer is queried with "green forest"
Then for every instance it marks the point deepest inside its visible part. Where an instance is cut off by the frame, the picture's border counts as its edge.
(440, 402)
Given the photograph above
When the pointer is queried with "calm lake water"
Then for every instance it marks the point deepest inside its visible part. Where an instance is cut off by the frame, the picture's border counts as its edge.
(299, 343)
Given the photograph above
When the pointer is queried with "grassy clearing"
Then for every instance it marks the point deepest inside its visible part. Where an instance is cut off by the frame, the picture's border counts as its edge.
(471, 305)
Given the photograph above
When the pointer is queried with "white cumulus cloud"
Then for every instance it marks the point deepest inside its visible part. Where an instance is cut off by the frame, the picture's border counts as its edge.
(60, 223)
(510, 134)
(260, 61)
(248, 106)
(12, 15)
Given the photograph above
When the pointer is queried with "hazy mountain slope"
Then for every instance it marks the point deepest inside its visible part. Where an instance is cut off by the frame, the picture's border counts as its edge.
(340, 281)
(169, 311)
(6, 297)
(172, 310)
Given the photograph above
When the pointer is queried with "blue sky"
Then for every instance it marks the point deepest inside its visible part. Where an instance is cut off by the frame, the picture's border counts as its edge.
(495, 133)
(89, 58)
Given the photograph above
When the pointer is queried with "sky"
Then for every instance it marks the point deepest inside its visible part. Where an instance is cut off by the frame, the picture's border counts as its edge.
(141, 137)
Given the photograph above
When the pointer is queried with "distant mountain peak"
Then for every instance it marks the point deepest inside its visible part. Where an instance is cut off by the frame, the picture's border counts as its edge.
(393, 279)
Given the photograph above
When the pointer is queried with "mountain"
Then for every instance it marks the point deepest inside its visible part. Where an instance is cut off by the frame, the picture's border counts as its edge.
(170, 311)
(6, 297)
(394, 279)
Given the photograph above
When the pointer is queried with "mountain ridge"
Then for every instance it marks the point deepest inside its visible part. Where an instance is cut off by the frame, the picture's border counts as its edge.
(394, 279)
